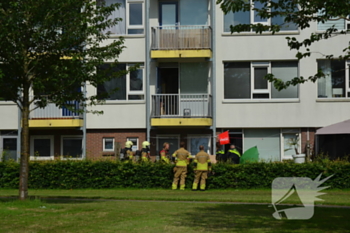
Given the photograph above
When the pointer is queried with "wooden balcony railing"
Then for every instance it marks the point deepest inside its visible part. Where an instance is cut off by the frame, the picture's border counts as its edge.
(181, 37)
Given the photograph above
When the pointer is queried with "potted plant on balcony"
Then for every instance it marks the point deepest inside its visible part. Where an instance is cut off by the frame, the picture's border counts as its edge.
(294, 143)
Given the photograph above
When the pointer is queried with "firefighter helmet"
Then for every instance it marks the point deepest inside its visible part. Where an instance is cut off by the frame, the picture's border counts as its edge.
(145, 144)
(129, 144)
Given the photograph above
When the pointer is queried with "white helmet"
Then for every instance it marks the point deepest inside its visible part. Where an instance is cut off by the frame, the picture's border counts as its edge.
(145, 144)
(129, 144)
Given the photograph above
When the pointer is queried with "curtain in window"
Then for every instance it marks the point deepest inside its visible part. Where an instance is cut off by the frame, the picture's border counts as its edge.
(194, 12)
(120, 28)
(284, 70)
(338, 24)
(333, 85)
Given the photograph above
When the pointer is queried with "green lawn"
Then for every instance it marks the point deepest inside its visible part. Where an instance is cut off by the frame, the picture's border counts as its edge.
(332, 197)
(147, 216)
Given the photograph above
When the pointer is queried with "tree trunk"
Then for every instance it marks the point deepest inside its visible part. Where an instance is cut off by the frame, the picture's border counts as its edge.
(24, 166)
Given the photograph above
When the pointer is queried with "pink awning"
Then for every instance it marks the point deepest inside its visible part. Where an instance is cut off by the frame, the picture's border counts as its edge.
(338, 128)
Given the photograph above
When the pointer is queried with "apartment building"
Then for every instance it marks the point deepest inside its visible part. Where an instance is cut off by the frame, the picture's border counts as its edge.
(195, 80)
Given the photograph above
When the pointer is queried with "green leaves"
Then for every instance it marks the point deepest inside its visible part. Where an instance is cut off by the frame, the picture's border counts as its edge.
(111, 174)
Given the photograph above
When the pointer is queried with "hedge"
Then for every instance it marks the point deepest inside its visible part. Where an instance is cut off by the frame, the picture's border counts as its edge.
(111, 174)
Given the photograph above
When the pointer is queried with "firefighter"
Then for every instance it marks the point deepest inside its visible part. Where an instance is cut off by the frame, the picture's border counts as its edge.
(202, 167)
(233, 155)
(145, 152)
(180, 157)
(129, 155)
(164, 154)
(220, 153)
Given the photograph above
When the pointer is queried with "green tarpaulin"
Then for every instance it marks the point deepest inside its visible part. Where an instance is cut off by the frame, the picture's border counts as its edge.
(250, 155)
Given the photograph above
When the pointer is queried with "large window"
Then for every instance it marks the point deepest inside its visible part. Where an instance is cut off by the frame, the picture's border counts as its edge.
(41, 147)
(194, 141)
(335, 84)
(245, 80)
(135, 142)
(131, 14)
(72, 146)
(339, 24)
(251, 17)
(127, 87)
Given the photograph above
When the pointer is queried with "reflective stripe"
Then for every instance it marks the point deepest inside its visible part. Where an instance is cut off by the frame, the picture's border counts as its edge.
(234, 151)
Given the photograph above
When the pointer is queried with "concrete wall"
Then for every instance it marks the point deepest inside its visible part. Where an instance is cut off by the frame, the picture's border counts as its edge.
(8, 116)
(307, 111)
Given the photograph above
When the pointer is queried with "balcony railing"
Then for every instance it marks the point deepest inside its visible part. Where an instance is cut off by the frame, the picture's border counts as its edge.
(181, 37)
(51, 111)
(182, 105)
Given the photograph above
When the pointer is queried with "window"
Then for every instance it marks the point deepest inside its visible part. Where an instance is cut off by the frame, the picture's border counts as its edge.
(245, 80)
(72, 147)
(335, 84)
(339, 24)
(41, 147)
(8, 148)
(127, 87)
(131, 14)
(251, 17)
(194, 141)
(108, 144)
(135, 142)
(287, 136)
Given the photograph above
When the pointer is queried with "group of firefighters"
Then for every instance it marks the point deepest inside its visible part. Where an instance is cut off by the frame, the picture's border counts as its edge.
(181, 158)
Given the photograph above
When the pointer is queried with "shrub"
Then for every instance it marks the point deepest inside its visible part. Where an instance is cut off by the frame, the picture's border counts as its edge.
(111, 174)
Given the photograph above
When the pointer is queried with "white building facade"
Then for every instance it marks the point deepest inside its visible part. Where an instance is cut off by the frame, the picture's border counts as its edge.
(196, 80)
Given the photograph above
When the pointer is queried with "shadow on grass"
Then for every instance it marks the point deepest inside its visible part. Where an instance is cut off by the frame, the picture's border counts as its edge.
(53, 200)
(238, 218)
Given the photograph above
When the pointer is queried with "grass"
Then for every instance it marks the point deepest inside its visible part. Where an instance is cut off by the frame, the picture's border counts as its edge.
(145, 216)
(332, 197)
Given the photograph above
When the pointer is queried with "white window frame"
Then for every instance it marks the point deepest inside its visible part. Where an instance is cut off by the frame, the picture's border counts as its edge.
(127, 88)
(252, 16)
(2, 146)
(128, 26)
(268, 22)
(32, 153)
(262, 64)
(131, 92)
(254, 65)
(284, 132)
(104, 144)
(71, 136)
(134, 147)
(347, 83)
(190, 136)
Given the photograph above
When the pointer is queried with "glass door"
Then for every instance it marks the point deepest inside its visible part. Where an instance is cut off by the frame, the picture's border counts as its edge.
(168, 14)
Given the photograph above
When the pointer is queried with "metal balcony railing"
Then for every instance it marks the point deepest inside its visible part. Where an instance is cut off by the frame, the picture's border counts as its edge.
(51, 111)
(182, 105)
(181, 37)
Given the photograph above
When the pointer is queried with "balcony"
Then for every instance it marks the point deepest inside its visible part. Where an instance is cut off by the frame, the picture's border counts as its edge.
(181, 42)
(53, 116)
(181, 110)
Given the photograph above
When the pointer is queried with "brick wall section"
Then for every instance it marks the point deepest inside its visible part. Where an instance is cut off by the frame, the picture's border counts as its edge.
(312, 138)
(57, 133)
(94, 140)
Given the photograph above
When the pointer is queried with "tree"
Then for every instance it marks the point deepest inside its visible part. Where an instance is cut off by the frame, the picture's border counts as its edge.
(300, 13)
(48, 50)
